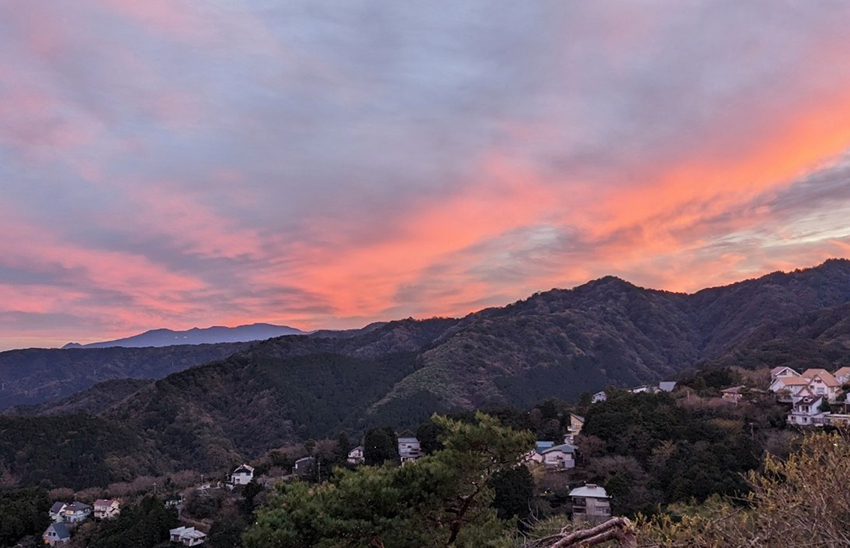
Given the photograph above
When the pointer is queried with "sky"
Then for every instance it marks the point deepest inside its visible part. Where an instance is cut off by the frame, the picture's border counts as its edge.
(326, 164)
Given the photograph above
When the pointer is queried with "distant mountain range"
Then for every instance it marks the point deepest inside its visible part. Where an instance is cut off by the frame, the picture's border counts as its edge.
(210, 335)
(253, 397)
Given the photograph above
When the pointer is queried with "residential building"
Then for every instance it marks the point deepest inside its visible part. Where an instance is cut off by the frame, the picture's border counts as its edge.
(106, 508)
(56, 511)
(667, 386)
(599, 397)
(408, 449)
(536, 455)
(304, 466)
(732, 394)
(76, 512)
(559, 457)
(842, 375)
(641, 390)
(56, 534)
(823, 383)
(242, 475)
(187, 536)
(574, 429)
(806, 412)
(778, 372)
(355, 456)
(590, 503)
(790, 389)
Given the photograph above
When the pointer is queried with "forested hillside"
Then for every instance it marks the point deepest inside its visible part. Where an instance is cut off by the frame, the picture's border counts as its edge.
(560, 343)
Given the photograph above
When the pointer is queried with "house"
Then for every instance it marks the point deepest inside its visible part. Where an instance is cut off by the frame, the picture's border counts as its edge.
(574, 429)
(76, 512)
(242, 475)
(56, 511)
(536, 455)
(304, 466)
(355, 456)
(842, 375)
(56, 534)
(667, 386)
(823, 383)
(590, 503)
(408, 449)
(559, 457)
(732, 394)
(187, 536)
(106, 509)
(779, 372)
(641, 390)
(790, 389)
(599, 397)
(806, 412)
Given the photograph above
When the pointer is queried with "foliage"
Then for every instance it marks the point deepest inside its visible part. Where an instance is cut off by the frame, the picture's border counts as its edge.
(513, 490)
(801, 501)
(441, 500)
(24, 512)
(380, 445)
(144, 525)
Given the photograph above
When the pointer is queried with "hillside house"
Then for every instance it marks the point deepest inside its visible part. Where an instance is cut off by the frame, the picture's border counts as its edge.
(599, 397)
(641, 390)
(56, 534)
(590, 503)
(779, 372)
(242, 475)
(355, 456)
(574, 429)
(56, 511)
(823, 383)
(187, 536)
(732, 394)
(667, 386)
(842, 375)
(806, 412)
(536, 455)
(106, 509)
(408, 449)
(304, 466)
(790, 389)
(76, 512)
(559, 457)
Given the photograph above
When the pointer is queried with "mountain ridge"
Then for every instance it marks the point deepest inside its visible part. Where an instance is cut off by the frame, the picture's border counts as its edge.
(216, 334)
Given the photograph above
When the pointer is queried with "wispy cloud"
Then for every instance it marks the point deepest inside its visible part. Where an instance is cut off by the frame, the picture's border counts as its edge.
(189, 163)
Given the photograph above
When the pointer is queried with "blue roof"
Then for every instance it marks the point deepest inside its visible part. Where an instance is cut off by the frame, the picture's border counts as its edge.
(543, 445)
(61, 530)
(566, 448)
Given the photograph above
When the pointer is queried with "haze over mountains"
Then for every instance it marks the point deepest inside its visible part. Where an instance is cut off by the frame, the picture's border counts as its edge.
(209, 335)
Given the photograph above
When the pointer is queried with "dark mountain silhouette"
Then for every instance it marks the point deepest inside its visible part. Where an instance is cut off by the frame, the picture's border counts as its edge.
(209, 335)
(558, 343)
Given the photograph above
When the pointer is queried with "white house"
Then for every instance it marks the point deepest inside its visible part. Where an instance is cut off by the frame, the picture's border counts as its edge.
(823, 383)
(536, 455)
(76, 512)
(667, 386)
(56, 534)
(187, 536)
(559, 457)
(778, 372)
(355, 456)
(106, 508)
(641, 390)
(56, 511)
(806, 412)
(790, 389)
(598, 397)
(590, 503)
(409, 449)
(842, 375)
(242, 475)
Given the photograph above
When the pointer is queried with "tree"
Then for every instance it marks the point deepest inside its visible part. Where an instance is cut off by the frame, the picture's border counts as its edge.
(441, 500)
(429, 435)
(380, 445)
(514, 489)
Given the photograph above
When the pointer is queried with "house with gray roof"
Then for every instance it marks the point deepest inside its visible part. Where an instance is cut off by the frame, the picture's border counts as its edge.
(559, 457)
(76, 512)
(590, 503)
(56, 511)
(56, 534)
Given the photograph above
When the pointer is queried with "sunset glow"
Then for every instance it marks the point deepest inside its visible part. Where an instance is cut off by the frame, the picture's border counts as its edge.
(325, 165)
